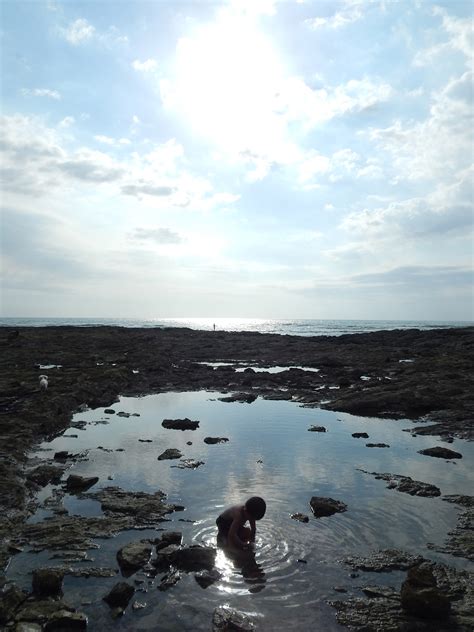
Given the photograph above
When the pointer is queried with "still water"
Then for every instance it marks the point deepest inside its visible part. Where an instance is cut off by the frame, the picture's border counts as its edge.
(270, 453)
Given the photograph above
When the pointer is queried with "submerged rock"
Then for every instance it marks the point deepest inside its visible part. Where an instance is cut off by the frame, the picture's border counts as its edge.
(170, 453)
(227, 619)
(180, 424)
(213, 440)
(326, 506)
(460, 541)
(441, 453)
(120, 595)
(133, 556)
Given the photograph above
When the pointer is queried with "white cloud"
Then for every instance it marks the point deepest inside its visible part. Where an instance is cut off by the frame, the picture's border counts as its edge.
(145, 66)
(41, 92)
(460, 38)
(67, 121)
(351, 11)
(79, 31)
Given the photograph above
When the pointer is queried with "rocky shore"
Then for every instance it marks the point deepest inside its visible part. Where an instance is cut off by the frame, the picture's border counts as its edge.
(424, 376)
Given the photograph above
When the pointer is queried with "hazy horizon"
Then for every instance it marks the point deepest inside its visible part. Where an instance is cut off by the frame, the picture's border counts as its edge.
(266, 159)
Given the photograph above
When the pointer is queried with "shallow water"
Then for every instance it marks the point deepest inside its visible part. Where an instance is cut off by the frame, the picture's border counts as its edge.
(270, 453)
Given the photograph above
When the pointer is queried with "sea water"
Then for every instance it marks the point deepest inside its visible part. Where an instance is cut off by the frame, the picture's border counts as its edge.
(269, 453)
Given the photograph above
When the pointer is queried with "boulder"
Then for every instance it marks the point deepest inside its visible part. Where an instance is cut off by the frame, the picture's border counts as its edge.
(65, 621)
(360, 435)
(45, 474)
(170, 453)
(191, 558)
(169, 580)
(109, 411)
(10, 600)
(299, 516)
(133, 556)
(441, 453)
(244, 398)
(213, 440)
(47, 582)
(167, 538)
(227, 619)
(326, 506)
(180, 424)
(421, 596)
(62, 455)
(317, 429)
(120, 595)
(76, 483)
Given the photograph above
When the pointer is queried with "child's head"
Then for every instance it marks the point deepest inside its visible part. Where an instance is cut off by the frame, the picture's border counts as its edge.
(256, 507)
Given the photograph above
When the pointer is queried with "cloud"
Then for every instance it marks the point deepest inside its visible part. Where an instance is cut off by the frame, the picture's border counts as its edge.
(79, 31)
(91, 166)
(113, 142)
(147, 189)
(41, 92)
(145, 66)
(417, 276)
(158, 235)
(67, 121)
(351, 11)
(460, 39)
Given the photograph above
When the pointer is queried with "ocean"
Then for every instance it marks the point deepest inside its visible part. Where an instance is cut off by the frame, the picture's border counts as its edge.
(292, 327)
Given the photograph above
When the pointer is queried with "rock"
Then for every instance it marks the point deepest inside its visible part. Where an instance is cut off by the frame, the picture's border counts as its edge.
(138, 605)
(317, 429)
(10, 600)
(191, 464)
(170, 453)
(212, 440)
(120, 595)
(194, 558)
(65, 621)
(167, 538)
(225, 619)
(326, 506)
(180, 424)
(47, 582)
(373, 592)
(123, 414)
(383, 561)
(169, 580)
(340, 589)
(299, 516)
(244, 398)
(377, 445)
(62, 455)
(441, 453)
(28, 626)
(76, 483)
(421, 596)
(109, 411)
(133, 556)
(206, 578)
(45, 474)
(360, 435)
(145, 440)
(406, 484)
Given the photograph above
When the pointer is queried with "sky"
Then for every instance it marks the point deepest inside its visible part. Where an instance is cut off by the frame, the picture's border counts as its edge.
(249, 158)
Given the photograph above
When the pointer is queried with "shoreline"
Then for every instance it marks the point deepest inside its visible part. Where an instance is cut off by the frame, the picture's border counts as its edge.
(413, 374)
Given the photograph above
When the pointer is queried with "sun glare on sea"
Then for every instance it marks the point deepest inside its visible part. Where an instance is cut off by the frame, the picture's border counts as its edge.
(225, 83)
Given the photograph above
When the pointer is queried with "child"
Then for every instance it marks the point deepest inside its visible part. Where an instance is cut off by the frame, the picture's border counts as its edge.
(231, 522)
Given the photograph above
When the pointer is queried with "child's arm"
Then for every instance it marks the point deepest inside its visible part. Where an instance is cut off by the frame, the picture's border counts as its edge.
(253, 529)
(233, 536)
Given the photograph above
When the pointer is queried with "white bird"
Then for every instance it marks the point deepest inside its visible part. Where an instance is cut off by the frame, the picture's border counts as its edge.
(43, 382)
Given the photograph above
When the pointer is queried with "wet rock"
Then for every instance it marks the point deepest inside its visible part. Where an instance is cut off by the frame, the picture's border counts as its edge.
(190, 464)
(170, 453)
(340, 589)
(383, 561)
(76, 483)
(62, 455)
(120, 595)
(405, 484)
(180, 424)
(41, 611)
(145, 440)
(301, 517)
(326, 506)
(360, 435)
(144, 508)
(138, 605)
(28, 626)
(380, 591)
(65, 621)
(194, 558)
(169, 580)
(45, 474)
(317, 429)
(10, 600)
(133, 556)
(109, 411)
(377, 445)
(123, 414)
(213, 440)
(441, 453)
(167, 538)
(244, 398)
(225, 619)
(421, 596)
(47, 582)
(460, 541)
(206, 578)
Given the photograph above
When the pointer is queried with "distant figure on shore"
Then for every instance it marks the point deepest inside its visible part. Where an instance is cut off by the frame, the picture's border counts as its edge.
(214, 325)
(231, 523)
(43, 382)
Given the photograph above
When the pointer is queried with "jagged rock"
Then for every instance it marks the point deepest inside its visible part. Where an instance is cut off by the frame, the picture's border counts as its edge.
(441, 453)
(360, 435)
(123, 414)
(317, 429)
(133, 556)
(377, 445)
(406, 484)
(170, 453)
(167, 538)
(212, 440)
(384, 560)
(421, 596)
(206, 578)
(144, 507)
(47, 582)
(76, 483)
(41, 611)
(120, 595)
(45, 474)
(244, 398)
(326, 506)
(301, 517)
(190, 464)
(28, 626)
(65, 621)
(180, 424)
(62, 455)
(10, 600)
(169, 580)
(227, 619)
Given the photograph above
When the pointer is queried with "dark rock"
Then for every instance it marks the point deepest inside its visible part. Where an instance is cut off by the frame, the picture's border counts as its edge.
(244, 398)
(212, 440)
(206, 578)
(169, 580)
(340, 589)
(360, 435)
(47, 582)
(170, 453)
(227, 619)
(190, 464)
(377, 445)
(167, 538)
(421, 596)
(145, 440)
(406, 484)
(194, 558)
(76, 483)
(109, 411)
(62, 455)
(317, 429)
(326, 506)
(65, 621)
(383, 561)
(133, 556)
(45, 474)
(120, 595)
(441, 453)
(123, 414)
(180, 424)
(299, 516)
(10, 600)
